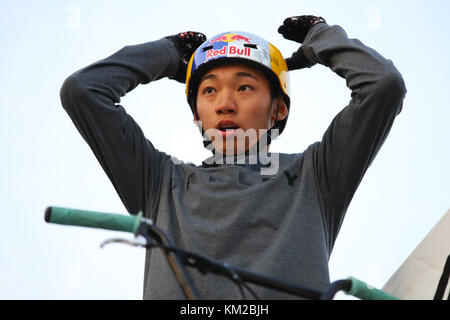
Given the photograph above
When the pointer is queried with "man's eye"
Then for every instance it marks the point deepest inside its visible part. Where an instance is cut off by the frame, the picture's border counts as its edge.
(245, 87)
(209, 90)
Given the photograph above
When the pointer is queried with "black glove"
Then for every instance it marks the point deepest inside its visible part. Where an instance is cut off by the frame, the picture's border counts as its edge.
(296, 28)
(185, 43)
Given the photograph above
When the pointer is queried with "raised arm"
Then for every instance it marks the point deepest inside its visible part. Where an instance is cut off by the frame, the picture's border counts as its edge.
(91, 97)
(358, 131)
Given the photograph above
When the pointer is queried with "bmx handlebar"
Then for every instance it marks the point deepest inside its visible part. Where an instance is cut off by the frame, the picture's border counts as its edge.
(363, 291)
(131, 223)
(93, 219)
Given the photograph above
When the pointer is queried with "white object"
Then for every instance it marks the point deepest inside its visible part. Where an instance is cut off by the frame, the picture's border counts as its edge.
(418, 277)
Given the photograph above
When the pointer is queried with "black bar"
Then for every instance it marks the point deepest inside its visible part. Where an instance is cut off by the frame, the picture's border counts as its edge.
(335, 287)
(279, 285)
(178, 258)
(439, 295)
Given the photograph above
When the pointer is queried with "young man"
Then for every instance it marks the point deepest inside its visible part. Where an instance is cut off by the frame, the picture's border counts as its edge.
(282, 224)
(238, 89)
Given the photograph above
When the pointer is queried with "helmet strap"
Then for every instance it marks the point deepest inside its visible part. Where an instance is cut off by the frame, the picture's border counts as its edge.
(276, 115)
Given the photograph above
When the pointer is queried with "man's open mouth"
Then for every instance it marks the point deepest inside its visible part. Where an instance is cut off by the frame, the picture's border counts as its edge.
(227, 127)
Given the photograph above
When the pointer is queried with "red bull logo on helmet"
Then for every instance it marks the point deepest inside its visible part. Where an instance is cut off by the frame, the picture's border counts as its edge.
(226, 51)
(230, 37)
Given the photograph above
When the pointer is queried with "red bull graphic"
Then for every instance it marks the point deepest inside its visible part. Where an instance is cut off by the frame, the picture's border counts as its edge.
(238, 37)
(230, 37)
(219, 39)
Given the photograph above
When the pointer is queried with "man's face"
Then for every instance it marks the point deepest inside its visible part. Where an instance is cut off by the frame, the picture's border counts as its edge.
(235, 107)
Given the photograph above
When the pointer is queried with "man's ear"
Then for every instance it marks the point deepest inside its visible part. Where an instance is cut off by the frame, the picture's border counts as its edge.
(282, 110)
(196, 118)
(279, 110)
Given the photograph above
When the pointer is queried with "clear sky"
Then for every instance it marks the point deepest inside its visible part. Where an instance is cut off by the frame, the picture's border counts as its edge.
(44, 161)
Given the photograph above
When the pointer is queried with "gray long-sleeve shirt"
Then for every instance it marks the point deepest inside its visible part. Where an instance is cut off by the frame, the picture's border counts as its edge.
(282, 225)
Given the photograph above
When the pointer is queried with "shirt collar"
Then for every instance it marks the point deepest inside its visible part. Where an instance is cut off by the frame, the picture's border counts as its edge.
(258, 160)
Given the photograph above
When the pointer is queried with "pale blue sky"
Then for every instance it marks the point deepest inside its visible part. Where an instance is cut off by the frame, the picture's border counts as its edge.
(44, 161)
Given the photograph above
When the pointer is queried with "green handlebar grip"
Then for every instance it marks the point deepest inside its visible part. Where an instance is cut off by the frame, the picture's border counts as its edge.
(92, 219)
(363, 291)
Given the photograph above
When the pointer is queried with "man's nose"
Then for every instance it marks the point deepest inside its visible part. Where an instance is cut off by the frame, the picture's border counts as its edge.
(226, 103)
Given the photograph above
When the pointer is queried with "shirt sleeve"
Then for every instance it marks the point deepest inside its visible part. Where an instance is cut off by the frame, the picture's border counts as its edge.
(356, 134)
(91, 97)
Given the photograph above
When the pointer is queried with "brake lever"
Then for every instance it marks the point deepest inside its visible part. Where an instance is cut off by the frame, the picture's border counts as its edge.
(139, 242)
